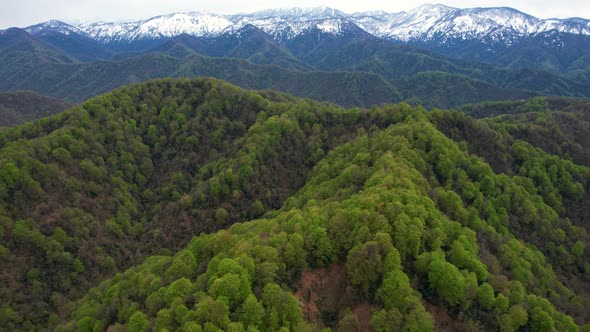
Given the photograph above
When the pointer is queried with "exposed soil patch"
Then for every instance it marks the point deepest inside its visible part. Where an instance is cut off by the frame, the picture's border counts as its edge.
(363, 313)
(323, 293)
(443, 322)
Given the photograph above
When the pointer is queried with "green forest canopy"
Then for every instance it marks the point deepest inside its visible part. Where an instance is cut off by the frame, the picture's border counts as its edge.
(131, 211)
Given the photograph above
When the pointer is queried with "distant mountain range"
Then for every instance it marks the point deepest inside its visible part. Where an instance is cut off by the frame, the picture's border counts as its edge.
(425, 23)
(433, 55)
(473, 33)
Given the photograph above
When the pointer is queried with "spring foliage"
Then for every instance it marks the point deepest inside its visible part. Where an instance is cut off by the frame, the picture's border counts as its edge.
(171, 172)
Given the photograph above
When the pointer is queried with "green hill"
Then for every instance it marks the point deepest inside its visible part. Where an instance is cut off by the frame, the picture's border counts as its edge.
(194, 205)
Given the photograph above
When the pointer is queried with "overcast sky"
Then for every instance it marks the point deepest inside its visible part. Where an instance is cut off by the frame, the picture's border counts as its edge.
(23, 13)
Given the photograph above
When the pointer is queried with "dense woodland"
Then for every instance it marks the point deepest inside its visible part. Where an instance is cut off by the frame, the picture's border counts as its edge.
(195, 205)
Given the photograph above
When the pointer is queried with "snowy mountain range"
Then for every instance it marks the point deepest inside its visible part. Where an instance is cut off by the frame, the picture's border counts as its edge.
(427, 23)
(434, 53)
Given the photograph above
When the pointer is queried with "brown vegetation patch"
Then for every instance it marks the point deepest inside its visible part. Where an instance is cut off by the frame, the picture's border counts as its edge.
(323, 293)
(363, 313)
(443, 322)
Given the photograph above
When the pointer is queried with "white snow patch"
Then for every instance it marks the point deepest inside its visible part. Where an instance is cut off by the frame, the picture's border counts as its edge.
(420, 24)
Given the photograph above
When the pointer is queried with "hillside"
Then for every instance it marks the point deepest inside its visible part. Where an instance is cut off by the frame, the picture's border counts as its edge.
(196, 205)
(125, 168)
(22, 106)
(75, 82)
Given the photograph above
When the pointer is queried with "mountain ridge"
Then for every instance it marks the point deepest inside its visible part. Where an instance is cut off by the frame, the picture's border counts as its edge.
(407, 212)
(490, 35)
(421, 23)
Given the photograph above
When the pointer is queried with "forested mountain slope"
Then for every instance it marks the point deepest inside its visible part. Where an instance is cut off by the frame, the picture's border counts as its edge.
(22, 106)
(350, 69)
(557, 125)
(76, 82)
(417, 220)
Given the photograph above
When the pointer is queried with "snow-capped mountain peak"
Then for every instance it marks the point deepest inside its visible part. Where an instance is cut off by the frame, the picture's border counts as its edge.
(501, 24)
(55, 26)
(425, 23)
(430, 8)
(196, 23)
(165, 26)
(321, 12)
